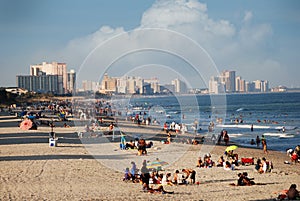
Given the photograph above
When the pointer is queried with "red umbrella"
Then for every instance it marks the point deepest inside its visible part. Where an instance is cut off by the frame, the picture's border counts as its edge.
(26, 124)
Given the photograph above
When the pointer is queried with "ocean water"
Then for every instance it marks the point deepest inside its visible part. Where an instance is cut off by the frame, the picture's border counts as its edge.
(268, 113)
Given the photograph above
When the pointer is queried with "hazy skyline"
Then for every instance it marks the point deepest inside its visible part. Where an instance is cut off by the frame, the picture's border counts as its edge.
(257, 39)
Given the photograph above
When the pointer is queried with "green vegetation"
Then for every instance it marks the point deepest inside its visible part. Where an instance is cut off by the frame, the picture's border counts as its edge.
(7, 98)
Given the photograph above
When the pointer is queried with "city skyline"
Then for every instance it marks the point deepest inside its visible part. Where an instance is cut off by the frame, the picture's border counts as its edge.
(226, 82)
(257, 39)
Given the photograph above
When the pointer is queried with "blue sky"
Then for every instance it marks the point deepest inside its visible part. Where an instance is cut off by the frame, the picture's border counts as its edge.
(258, 39)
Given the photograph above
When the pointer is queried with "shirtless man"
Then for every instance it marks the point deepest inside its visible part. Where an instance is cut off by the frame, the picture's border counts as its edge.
(190, 173)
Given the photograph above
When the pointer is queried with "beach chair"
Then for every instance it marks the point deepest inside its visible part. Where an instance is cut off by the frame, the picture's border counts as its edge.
(249, 161)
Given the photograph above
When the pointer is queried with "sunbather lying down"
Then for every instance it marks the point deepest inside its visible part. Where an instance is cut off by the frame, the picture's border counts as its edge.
(159, 189)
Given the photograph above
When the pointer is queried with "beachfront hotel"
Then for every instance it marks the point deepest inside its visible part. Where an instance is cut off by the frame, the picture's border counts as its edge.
(228, 82)
(48, 77)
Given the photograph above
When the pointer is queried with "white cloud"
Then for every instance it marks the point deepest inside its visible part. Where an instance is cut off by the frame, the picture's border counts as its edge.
(229, 45)
(248, 16)
(178, 14)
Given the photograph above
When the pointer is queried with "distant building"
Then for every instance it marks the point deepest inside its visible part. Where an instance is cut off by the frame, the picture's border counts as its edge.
(154, 84)
(240, 84)
(122, 85)
(71, 87)
(88, 85)
(261, 86)
(147, 90)
(41, 83)
(167, 88)
(279, 89)
(108, 84)
(53, 68)
(215, 86)
(227, 78)
(179, 86)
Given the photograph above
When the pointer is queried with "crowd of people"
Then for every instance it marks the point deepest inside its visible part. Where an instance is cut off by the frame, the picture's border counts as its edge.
(150, 178)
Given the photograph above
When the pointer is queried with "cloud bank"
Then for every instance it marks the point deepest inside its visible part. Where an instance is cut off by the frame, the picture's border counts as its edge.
(244, 47)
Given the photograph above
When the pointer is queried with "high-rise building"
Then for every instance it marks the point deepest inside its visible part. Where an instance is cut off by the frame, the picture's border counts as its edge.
(122, 85)
(71, 81)
(228, 79)
(41, 83)
(240, 84)
(154, 84)
(134, 85)
(88, 85)
(180, 86)
(53, 68)
(265, 86)
(250, 86)
(108, 84)
(215, 86)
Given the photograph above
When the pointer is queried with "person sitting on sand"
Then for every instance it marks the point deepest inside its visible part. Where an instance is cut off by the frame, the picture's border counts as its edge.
(133, 170)
(258, 166)
(154, 177)
(149, 145)
(294, 157)
(200, 163)
(130, 145)
(142, 147)
(244, 180)
(293, 193)
(190, 173)
(207, 161)
(266, 165)
(166, 179)
(220, 161)
(127, 175)
(228, 166)
(176, 177)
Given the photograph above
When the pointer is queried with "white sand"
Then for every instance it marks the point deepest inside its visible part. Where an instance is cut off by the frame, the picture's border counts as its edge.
(31, 170)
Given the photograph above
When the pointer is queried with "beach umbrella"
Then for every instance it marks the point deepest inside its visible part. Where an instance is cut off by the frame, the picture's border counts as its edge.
(26, 124)
(231, 148)
(157, 164)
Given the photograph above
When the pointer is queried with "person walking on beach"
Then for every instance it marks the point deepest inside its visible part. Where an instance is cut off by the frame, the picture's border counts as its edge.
(226, 138)
(220, 137)
(264, 144)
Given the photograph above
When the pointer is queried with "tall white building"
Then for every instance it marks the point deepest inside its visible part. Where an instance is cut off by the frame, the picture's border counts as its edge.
(154, 83)
(261, 85)
(53, 68)
(180, 86)
(88, 85)
(122, 85)
(228, 79)
(215, 86)
(240, 85)
(71, 81)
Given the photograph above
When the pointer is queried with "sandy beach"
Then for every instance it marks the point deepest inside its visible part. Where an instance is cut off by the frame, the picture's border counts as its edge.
(74, 170)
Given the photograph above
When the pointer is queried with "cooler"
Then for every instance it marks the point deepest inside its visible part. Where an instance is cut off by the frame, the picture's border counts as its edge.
(52, 142)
